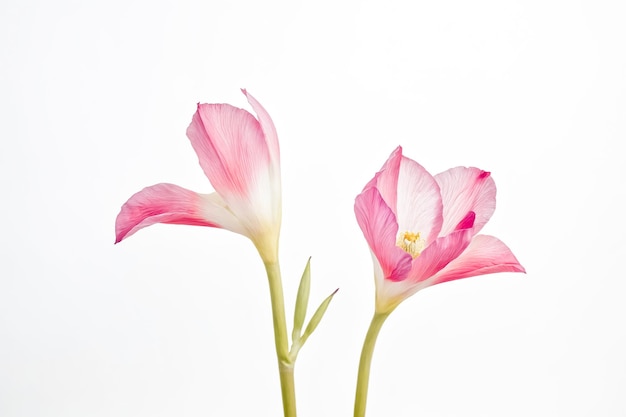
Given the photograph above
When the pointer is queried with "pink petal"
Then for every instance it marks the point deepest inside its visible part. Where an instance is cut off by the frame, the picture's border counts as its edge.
(161, 203)
(231, 148)
(419, 207)
(484, 255)
(271, 139)
(386, 180)
(439, 254)
(464, 190)
(267, 125)
(380, 229)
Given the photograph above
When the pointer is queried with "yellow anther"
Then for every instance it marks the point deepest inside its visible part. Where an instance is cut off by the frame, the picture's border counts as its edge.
(411, 243)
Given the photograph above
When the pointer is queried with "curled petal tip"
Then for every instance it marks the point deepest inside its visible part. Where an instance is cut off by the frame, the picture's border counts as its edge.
(467, 222)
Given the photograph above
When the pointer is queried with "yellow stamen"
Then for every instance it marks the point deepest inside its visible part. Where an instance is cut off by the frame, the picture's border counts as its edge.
(411, 243)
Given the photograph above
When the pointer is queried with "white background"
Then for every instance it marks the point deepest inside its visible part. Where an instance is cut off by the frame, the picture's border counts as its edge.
(95, 98)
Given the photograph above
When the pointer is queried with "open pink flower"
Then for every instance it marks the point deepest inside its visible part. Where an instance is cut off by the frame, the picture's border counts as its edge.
(422, 230)
(240, 156)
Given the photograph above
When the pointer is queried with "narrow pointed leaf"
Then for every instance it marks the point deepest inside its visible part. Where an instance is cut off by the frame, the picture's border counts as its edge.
(302, 301)
(317, 317)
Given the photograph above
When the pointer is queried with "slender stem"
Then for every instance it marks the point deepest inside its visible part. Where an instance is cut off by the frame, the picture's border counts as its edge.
(288, 391)
(285, 366)
(360, 400)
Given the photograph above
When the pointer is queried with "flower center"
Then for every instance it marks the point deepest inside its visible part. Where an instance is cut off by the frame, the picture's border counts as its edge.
(411, 243)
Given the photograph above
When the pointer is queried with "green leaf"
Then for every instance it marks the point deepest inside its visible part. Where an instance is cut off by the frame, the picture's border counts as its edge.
(302, 301)
(317, 317)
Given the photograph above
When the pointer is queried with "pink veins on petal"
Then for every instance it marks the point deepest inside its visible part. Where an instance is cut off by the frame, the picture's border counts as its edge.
(161, 203)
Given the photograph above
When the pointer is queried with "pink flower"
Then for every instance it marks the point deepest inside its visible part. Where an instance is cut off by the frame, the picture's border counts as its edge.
(240, 156)
(422, 230)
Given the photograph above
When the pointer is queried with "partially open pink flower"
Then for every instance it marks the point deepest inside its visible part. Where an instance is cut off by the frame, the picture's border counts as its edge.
(240, 156)
(422, 230)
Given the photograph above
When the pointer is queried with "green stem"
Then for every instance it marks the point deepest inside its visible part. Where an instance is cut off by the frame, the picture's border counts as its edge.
(288, 391)
(285, 366)
(360, 400)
